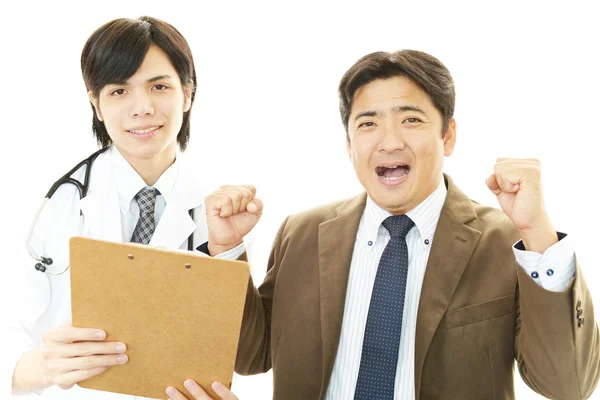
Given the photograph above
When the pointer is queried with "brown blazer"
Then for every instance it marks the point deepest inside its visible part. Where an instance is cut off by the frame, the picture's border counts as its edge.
(478, 311)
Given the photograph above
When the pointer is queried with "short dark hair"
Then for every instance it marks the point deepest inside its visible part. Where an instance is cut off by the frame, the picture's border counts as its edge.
(115, 51)
(426, 71)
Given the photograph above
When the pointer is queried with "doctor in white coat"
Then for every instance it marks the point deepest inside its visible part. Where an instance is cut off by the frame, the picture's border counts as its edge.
(141, 81)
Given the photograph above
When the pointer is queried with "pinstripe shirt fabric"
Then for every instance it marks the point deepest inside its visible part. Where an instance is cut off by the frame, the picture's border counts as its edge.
(371, 240)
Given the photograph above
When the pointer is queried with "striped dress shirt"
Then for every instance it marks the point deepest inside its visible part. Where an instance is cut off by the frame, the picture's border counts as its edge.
(371, 240)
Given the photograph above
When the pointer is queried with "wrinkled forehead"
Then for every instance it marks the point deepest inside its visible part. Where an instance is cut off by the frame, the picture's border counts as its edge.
(392, 94)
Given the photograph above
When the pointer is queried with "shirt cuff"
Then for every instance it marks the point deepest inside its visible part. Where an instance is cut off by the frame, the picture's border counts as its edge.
(554, 270)
(231, 254)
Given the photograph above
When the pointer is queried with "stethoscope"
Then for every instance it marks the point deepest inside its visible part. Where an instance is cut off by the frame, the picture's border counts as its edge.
(44, 262)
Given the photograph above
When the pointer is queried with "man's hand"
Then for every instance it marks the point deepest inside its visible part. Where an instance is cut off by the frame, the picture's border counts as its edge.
(69, 355)
(517, 184)
(231, 212)
(198, 393)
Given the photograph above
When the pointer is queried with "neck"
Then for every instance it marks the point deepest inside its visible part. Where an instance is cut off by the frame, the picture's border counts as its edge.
(151, 169)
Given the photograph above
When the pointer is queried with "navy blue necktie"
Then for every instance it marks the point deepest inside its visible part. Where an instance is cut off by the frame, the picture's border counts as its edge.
(377, 373)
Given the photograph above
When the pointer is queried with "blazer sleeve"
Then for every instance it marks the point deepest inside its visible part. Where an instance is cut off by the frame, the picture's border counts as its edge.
(556, 338)
(254, 348)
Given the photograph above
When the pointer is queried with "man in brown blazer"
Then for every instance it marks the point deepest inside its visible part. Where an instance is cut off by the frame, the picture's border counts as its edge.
(351, 309)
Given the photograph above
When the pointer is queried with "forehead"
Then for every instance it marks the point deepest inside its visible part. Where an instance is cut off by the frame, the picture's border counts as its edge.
(156, 63)
(387, 93)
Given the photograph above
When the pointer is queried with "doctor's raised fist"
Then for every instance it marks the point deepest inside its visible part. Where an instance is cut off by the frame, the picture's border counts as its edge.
(231, 212)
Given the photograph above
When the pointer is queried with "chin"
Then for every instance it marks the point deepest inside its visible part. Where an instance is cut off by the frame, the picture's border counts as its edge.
(394, 201)
(396, 208)
(386, 202)
(149, 148)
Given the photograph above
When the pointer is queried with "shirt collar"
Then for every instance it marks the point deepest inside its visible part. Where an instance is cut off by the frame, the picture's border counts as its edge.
(129, 182)
(425, 216)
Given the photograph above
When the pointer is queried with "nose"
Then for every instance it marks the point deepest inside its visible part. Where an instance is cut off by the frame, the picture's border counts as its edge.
(391, 138)
(141, 105)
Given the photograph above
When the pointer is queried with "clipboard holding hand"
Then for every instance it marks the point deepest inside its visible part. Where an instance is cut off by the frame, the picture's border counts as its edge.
(178, 312)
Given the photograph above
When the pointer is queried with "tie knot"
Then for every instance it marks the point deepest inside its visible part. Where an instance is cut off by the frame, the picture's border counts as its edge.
(146, 198)
(398, 225)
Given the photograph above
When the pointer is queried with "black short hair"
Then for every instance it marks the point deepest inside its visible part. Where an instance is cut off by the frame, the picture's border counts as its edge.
(115, 51)
(426, 71)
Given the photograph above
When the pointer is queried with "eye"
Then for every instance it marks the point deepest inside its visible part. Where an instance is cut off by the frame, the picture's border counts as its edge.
(367, 124)
(412, 120)
(117, 92)
(160, 87)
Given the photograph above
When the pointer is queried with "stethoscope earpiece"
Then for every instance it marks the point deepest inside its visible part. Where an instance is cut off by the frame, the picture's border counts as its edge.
(40, 267)
(82, 189)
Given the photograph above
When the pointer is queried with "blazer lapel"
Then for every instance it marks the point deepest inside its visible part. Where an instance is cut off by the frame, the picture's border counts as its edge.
(335, 257)
(453, 244)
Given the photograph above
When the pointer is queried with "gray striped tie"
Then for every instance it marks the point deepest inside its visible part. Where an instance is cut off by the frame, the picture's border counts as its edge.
(144, 229)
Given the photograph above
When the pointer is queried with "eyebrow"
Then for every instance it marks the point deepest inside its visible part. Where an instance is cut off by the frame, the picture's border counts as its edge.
(409, 107)
(156, 78)
(367, 114)
(397, 109)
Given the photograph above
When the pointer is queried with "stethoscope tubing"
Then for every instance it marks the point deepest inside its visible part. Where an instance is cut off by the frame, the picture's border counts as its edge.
(82, 188)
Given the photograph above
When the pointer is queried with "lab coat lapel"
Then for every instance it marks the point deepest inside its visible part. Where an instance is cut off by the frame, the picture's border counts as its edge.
(100, 208)
(176, 225)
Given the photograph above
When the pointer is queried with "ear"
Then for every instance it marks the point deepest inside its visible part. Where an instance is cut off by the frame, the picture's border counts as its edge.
(94, 101)
(349, 148)
(450, 138)
(187, 96)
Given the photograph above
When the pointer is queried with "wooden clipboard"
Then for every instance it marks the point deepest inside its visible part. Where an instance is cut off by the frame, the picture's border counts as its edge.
(178, 312)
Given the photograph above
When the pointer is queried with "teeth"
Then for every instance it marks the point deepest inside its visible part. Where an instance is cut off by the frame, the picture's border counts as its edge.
(394, 166)
(145, 130)
(393, 178)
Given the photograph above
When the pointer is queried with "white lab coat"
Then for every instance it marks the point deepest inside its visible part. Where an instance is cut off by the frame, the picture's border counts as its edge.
(44, 300)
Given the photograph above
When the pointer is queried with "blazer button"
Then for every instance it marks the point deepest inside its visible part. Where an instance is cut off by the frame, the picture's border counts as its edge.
(534, 275)
(550, 272)
(580, 322)
(579, 313)
(579, 304)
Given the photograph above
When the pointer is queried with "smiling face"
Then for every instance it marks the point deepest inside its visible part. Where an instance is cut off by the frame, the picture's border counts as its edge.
(144, 114)
(396, 144)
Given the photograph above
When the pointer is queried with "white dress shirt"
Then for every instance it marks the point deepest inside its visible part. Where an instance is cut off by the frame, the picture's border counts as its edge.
(371, 240)
(129, 183)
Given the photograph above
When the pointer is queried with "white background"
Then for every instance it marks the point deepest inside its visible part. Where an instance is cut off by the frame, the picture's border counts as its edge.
(266, 109)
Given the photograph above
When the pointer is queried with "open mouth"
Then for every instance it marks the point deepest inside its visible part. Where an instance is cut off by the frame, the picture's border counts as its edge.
(144, 132)
(393, 172)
